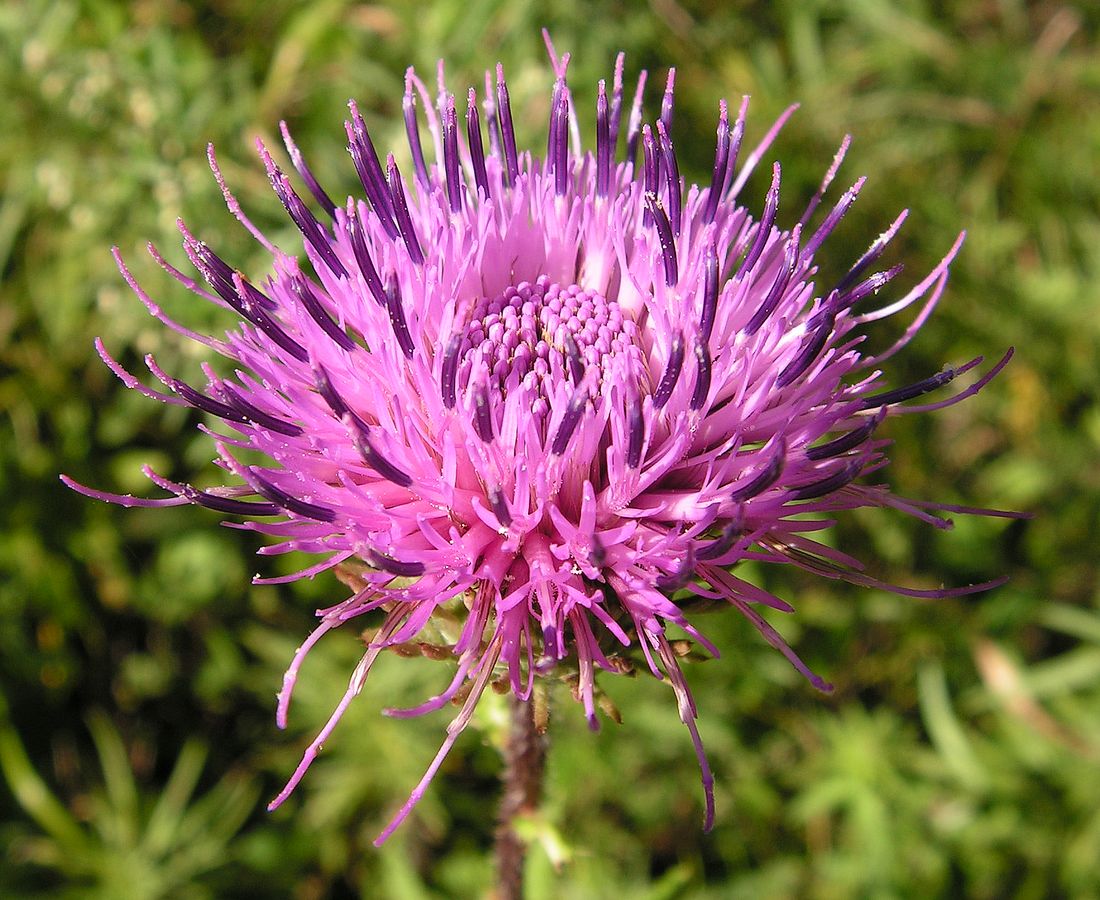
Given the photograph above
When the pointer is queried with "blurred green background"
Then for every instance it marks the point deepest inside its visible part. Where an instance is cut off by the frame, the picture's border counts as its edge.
(960, 754)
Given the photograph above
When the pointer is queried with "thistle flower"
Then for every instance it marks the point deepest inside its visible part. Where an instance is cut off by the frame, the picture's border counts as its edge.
(556, 394)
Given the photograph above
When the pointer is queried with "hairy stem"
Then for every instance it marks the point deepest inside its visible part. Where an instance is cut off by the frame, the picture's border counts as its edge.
(524, 762)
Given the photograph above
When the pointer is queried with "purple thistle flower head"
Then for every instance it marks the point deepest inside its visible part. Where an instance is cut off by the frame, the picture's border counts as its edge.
(551, 393)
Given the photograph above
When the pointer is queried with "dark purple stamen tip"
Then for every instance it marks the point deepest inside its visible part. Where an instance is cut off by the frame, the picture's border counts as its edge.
(254, 312)
(651, 162)
(477, 149)
(737, 134)
(634, 123)
(217, 273)
(306, 174)
(311, 229)
(356, 235)
(507, 131)
(604, 148)
(668, 100)
(412, 131)
(672, 176)
(832, 220)
(702, 379)
(369, 170)
(312, 305)
(397, 316)
(372, 457)
(615, 113)
(228, 504)
(558, 149)
(868, 286)
(664, 235)
(710, 292)
(672, 372)
(483, 413)
(449, 371)
(782, 280)
(872, 253)
(401, 212)
(569, 422)
(635, 434)
(394, 566)
(681, 576)
(450, 155)
(500, 507)
(765, 478)
(722, 545)
(829, 483)
(721, 157)
(291, 504)
(821, 330)
(925, 386)
(576, 361)
(258, 416)
(764, 228)
(845, 442)
(199, 400)
(328, 392)
(597, 555)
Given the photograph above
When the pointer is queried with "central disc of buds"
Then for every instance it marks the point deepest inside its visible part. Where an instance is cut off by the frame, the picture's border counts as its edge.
(539, 334)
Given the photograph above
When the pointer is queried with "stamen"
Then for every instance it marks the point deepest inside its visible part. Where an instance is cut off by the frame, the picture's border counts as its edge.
(782, 280)
(710, 291)
(926, 386)
(257, 415)
(721, 158)
(401, 212)
(667, 101)
(328, 392)
(672, 372)
(829, 484)
(483, 415)
(724, 543)
(397, 316)
(507, 131)
(672, 176)
(450, 155)
(449, 371)
(394, 566)
(500, 507)
(227, 504)
(569, 421)
(603, 142)
(634, 123)
(206, 404)
(304, 219)
(304, 171)
(809, 352)
(559, 135)
(412, 130)
(365, 158)
(255, 313)
(765, 478)
(702, 380)
(356, 235)
(614, 117)
(764, 228)
(831, 220)
(292, 504)
(473, 138)
(681, 576)
(573, 355)
(366, 449)
(869, 286)
(636, 435)
(873, 252)
(846, 442)
(664, 235)
(492, 123)
(304, 292)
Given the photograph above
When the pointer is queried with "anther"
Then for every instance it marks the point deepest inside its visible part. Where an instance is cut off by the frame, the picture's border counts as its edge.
(401, 212)
(569, 421)
(664, 235)
(507, 131)
(473, 139)
(672, 372)
(397, 316)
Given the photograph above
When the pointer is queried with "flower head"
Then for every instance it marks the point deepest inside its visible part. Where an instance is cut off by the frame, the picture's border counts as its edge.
(554, 393)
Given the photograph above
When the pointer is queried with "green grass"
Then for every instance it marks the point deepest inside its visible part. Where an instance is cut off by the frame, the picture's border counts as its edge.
(958, 756)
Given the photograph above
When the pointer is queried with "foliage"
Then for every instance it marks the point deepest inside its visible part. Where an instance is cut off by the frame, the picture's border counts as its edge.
(958, 755)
